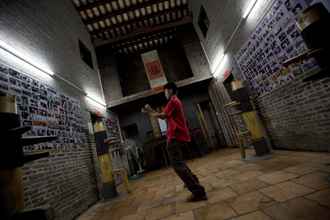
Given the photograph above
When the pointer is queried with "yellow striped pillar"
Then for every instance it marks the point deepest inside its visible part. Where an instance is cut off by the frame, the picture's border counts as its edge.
(250, 117)
(108, 184)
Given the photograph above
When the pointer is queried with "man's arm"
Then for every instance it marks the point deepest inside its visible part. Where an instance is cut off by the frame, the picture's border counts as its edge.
(147, 109)
(160, 115)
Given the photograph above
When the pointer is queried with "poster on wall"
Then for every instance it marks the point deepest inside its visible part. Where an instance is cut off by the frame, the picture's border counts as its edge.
(154, 69)
(275, 40)
(46, 110)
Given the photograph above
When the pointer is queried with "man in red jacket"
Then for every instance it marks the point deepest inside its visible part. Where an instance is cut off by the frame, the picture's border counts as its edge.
(178, 136)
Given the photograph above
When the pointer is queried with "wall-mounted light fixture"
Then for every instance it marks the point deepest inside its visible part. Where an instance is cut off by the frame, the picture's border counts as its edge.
(249, 8)
(16, 58)
(11, 54)
(96, 100)
(221, 58)
(221, 65)
(217, 60)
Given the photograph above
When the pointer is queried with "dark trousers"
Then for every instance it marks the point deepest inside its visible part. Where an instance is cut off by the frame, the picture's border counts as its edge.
(174, 149)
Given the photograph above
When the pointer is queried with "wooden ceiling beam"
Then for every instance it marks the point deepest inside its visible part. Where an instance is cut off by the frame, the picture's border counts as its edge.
(89, 5)
(125, 10)
(144, 31)
(140, 19)
(136, 41)
(122, 10)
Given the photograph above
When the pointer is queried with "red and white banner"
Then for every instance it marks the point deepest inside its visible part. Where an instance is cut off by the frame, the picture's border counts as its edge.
(154, 69)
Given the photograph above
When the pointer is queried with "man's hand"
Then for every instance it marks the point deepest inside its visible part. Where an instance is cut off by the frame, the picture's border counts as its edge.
(148, 110)
(143, 110)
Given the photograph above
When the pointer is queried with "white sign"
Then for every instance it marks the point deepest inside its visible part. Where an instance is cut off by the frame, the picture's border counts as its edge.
(154, 69)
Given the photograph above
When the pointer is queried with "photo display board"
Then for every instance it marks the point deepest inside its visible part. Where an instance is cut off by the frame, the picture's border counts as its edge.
(112, 127)
(46, 110)
(275, 40)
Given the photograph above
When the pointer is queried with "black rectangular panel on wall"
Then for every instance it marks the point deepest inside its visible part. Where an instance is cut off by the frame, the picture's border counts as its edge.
(275, 40)
(101, 146)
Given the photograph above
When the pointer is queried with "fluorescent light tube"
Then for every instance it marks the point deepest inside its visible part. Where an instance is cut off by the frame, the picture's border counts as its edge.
(249, 8)
(96, 100)
(217, 61)
(19, 59)
(221, 65)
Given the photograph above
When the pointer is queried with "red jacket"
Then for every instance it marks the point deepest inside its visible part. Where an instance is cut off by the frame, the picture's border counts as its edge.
(176, 121)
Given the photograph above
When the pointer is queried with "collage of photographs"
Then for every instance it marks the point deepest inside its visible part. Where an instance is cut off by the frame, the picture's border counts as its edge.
(46, 110)
(262, 56)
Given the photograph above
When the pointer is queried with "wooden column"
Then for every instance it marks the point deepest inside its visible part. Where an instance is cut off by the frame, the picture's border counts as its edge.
(108, 184)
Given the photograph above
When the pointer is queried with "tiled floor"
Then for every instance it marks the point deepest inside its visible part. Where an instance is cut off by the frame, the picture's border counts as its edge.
(289, 186)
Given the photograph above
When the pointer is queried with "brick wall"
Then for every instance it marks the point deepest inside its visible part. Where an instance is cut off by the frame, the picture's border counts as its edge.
(65, 181)
(297, 115)
(128, 71)
(181, 58)
(133, 78)
(175, 63)
(194, 51)
(48, 32)
(110, 77)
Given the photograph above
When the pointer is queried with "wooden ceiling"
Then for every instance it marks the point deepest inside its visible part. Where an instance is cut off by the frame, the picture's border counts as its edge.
(132, 25)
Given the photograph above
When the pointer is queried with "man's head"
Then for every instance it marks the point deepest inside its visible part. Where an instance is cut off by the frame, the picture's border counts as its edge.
(170, 89)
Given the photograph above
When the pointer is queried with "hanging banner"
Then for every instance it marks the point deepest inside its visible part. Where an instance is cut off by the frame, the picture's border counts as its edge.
(154, 69)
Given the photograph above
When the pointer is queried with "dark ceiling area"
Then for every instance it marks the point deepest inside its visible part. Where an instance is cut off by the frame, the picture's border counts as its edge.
(130, 26)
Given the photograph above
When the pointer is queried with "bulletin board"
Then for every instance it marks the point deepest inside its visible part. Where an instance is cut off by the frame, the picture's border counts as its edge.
(112, 127)
(46, 110)
(275, 40)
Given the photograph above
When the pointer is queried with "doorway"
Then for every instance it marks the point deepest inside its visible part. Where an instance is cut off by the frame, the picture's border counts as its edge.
(210, 125)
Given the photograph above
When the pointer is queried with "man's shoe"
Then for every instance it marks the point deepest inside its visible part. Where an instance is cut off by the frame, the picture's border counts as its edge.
(195, 198)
